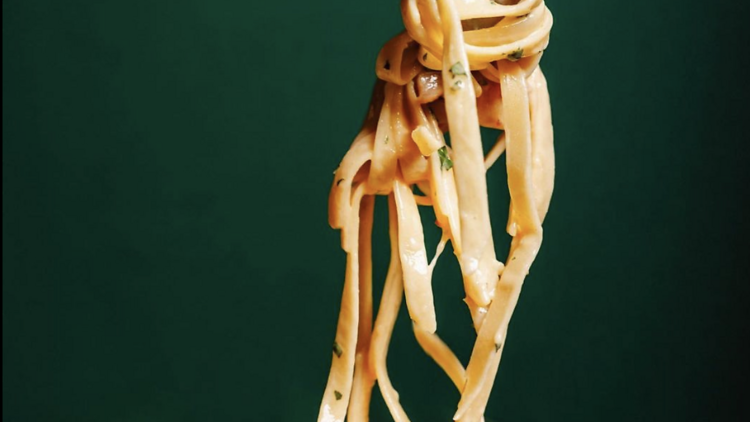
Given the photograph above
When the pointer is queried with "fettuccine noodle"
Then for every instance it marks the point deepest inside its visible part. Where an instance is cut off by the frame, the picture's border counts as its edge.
(459, 65)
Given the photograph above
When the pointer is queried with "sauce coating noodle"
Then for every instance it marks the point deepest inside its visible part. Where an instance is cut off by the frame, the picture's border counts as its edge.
(459, 65)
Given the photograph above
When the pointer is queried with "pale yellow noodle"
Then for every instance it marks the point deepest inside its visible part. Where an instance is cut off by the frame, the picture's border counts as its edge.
(445, 200)
(478, 263)
(442, 354)
(364, 379)
(417, 280)
(390, 303)
(486, 54)
(543, 156)
(497, 150)
(336, 395)
(525, 244)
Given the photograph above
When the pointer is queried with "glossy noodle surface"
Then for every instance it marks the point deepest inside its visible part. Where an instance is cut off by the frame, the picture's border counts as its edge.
(459, 65)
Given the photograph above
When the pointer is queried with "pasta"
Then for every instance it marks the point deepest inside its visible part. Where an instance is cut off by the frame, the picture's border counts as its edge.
(459, 65)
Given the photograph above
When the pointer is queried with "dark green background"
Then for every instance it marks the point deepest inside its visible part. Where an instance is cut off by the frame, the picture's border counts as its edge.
(166, 251)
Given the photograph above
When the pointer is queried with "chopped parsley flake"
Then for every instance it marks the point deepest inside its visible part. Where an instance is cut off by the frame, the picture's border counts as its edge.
(336, 348)
(337, 395)
(516, 55)
(457, 69)
(459, 84)
(445, 161)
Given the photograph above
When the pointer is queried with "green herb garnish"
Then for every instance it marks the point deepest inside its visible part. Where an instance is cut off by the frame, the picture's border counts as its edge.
(337, 395)
(445, 161)
(516, 55)
(457, 69)
(336, 348)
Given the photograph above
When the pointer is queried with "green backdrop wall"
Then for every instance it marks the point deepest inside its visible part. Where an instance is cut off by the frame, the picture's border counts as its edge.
(166, 253)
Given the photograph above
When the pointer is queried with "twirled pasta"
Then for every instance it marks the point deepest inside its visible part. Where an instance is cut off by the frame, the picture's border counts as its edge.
(459, 64)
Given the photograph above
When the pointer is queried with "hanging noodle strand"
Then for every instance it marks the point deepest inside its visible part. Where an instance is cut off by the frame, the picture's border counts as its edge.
(459, 65)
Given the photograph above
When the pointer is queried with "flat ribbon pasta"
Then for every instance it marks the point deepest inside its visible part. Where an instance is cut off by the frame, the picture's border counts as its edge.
(459, 65)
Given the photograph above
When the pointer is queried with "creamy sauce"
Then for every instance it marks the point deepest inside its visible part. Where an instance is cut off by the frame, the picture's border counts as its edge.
(459, 64)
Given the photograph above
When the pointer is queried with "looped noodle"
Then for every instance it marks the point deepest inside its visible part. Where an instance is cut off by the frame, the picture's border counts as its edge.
(459, 64)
